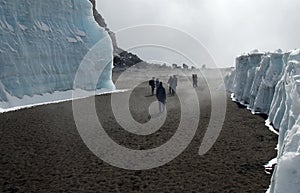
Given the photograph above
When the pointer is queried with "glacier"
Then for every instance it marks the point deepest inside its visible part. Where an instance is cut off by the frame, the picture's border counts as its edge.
(42, 44)
(275, 90)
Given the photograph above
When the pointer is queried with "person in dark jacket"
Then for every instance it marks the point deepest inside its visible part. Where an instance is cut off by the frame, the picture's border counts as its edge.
(161, 97)
(195, 80)
(174, 85)
(152, 85)
(170, 83)
(157, 83)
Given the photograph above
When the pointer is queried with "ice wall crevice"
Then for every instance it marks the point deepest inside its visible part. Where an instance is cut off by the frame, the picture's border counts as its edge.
(42, 45)
(275, 90)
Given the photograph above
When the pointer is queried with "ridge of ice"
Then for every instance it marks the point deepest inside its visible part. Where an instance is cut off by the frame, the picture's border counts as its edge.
(275, 90)
(38, 53)
(71, 40)
(42, 26)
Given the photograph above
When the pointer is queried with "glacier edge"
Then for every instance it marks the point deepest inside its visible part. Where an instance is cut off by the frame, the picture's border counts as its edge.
(42, 46)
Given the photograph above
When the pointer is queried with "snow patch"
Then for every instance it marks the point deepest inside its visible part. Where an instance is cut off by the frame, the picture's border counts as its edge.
(22, 27)
(72, 40)
(15, 103)
(9, 27)
(81, 33)
(42, 26)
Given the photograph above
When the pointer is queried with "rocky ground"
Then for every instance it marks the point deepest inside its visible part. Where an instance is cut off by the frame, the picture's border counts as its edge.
(41, 150)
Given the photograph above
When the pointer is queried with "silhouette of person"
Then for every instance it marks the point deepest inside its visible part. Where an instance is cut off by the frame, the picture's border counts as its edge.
(174, 85)
(195, 80)
(170, 83)
(152, 85)
(161, 97)
(157, 83)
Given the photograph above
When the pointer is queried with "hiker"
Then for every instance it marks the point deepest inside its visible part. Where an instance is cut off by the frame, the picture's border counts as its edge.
(169, 83)
(157, 83)
(174, 85)
(161, 96)
(195, 80)
(152, 85)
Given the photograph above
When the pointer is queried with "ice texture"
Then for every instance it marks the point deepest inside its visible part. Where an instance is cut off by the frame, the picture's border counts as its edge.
(254, 62)
(240, 80)
(42, 44)
(275, 90)
(228, 80)
(286, 177)
(267, 87)
(246, 66)
(258, 77)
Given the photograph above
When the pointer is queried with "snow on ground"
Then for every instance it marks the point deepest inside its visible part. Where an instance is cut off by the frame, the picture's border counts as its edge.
(269, 83)
(51, 98)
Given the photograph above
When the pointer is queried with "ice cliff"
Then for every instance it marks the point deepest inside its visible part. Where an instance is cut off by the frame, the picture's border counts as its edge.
(42, 44)
(269, 83)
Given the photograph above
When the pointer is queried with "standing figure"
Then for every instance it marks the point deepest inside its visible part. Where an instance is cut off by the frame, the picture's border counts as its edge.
(161, 97)
(195, 80)
(157, 83)
(170, 83)
(174, 85)
(152, 85)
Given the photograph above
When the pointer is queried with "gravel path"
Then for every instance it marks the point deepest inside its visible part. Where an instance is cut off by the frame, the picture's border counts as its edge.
(41, 151)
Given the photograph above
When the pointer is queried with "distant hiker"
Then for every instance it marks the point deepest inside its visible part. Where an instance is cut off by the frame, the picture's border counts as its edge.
(152, 85)
(169, 83)
(157, 83)
(174, 85)
(195, 80)
(161, 97)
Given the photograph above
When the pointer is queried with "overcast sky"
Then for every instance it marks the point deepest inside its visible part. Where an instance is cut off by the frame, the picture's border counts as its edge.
(226, 28)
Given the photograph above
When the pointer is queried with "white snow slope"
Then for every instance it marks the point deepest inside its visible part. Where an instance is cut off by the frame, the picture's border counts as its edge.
(271, 85)
(42, 44)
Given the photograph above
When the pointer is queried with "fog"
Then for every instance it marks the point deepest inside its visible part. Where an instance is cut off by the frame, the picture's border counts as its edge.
(225, 28)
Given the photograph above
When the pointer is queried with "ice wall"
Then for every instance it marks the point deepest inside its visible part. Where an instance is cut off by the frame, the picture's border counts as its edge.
(240, 79)
(275, 90)
(228, 80)
(270, 78)
(42, 44)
